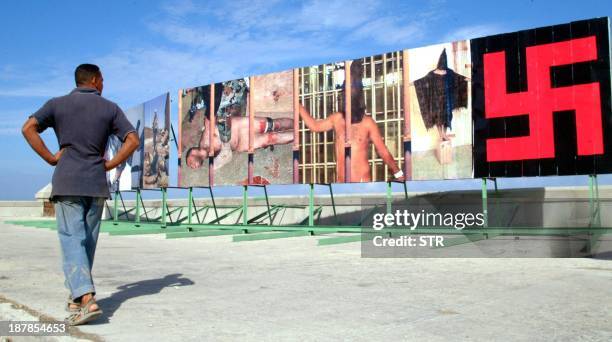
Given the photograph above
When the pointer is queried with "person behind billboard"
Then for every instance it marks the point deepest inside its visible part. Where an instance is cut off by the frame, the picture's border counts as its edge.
(83, 121)
(364, 131)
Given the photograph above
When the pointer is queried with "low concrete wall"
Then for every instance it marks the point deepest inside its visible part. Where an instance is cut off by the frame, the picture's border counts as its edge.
(21, 208)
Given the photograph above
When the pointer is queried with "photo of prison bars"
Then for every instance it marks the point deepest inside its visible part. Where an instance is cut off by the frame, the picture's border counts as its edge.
(321, 93)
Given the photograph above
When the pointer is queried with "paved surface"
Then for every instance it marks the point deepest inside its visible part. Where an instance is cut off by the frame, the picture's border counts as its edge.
(290, 289)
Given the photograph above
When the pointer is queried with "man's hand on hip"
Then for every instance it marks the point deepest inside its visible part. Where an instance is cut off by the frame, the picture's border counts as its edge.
(55, 158)
(130, 144)
(108, 165)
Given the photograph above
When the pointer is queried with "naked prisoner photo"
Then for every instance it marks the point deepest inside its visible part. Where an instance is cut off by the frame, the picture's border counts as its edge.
(372, 130)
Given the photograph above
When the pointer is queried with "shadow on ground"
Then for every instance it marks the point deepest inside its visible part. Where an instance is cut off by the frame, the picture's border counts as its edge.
(138, 289)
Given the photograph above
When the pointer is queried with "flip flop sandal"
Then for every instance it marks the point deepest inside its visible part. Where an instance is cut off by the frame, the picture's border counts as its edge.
(70, 305)
(84, 316)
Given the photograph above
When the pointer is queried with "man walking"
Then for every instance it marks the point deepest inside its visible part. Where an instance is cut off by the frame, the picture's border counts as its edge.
(83, 121)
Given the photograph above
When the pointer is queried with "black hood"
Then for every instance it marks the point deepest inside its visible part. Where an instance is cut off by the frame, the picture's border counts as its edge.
(442, 63)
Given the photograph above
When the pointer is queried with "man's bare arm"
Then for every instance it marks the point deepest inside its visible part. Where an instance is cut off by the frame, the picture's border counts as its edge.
(31, 135)
(321, 125)
(381, 148)
(128, 147)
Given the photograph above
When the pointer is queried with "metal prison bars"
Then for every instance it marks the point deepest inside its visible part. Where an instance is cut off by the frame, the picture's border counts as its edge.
(321, 94)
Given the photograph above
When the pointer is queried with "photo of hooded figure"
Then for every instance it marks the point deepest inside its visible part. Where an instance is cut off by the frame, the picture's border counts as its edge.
(440, 111)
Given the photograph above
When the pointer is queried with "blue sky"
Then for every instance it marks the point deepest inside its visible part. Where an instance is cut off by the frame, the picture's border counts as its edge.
(146, 48)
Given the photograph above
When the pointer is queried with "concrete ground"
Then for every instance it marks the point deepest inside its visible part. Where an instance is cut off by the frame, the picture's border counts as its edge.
(290, 289)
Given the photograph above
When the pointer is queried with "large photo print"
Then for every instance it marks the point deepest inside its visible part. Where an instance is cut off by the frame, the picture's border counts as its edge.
(321, 126)
(440, 111)
(215, 134)
(195, 107)
(127, 175)
(156, 138)
(272, 128)
(351, 121)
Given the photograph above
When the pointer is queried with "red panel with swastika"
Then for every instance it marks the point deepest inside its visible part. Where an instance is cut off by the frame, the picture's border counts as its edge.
(543, 101)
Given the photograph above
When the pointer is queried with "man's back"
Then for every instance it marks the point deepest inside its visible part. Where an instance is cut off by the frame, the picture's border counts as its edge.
(360, 143)
(83, 122)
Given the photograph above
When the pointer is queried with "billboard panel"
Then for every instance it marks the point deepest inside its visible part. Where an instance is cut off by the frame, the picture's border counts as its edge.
(128, 175)
(321, 129)
(156, 138)
(541, 101)
(529, 103)
(440, 111)
(229, 145)
(195, 106)
(365, 145)
(272, 128)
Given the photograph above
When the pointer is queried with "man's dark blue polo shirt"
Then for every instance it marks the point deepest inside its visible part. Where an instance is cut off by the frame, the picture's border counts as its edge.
(82, 120)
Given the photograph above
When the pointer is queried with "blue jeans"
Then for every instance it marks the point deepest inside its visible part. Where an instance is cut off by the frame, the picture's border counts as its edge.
(78, 226)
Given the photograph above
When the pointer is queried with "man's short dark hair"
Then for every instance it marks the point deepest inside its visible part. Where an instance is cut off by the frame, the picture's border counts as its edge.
(85, 72)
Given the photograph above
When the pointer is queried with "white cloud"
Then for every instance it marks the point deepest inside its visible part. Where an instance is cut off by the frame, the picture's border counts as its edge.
(10, 125)
(42, 90)
(201, 43)
(179, 8)
(473, 31)
(10, 131)
(389, 32)
(45, 80)
(335, 14)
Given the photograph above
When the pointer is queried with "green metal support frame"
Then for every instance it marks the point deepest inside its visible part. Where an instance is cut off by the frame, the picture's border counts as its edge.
(594, 203)
(139, 207)
(389, 194)
(164, 204)
(166, 214)
(257, 231)
(485, 212)
(116, 200)
(138, 200)
(190, 205)
(144, 209)
(311, 203)
(485, 209)
(116, 207)
(269, 210)
(193, 208)
(245, 202)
